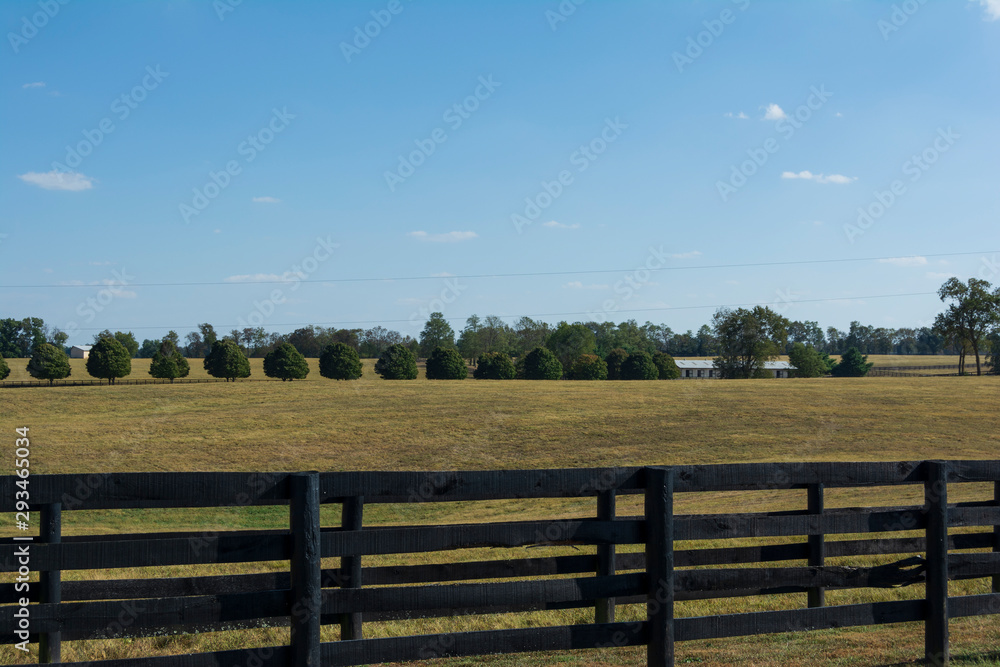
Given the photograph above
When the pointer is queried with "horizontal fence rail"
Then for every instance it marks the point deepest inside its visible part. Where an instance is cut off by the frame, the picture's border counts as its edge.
(663, 565)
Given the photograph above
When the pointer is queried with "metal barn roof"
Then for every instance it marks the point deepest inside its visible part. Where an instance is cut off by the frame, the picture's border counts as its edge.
(710, 364)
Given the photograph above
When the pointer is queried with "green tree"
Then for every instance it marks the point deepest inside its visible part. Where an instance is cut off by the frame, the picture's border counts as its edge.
(666, 366)
(226, 360)
(168, 363)
(640, 366)
(495, 366)
(49, 362)
(437, 333)
(852, 364)
(615, 360)
(397, 363)
(445, 363)
(340, 361)
(588, 367)
(541, 364)
(808, 361)
(973, 311)
(746, 339)
(285, 362)
(109, 359)
(569, 341)
(127, 340)
(4, 369)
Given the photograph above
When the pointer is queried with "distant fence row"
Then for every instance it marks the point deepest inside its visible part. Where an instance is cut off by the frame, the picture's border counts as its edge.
(307, 596)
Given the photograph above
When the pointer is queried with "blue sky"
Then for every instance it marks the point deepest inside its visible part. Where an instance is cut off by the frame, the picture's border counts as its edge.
(200, 142)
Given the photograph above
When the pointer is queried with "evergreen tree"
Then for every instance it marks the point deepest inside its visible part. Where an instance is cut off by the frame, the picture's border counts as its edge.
(446, 364)
(615, 360)
(48, 362)
(640, 366)
(397, 363)
(285, 362)
(666, 366)
(226, 360)
(437, 333)
(541, 364)
(4, 369)
(852, 364)
(340, 361)
(168, 363)
(495, 366)
(589, 367)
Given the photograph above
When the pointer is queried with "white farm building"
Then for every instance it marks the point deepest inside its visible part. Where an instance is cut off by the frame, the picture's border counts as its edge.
(79, 351)
(705, 368)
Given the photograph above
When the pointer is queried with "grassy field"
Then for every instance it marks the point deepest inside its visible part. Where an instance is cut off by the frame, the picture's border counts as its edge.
(422, 425)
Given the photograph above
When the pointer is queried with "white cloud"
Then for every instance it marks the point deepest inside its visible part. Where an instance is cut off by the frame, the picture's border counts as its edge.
(266, 200)
(447, 237)
(54, 180)
(774, 112)
(558, 225)
(286, 277)
(838, 179)
(992, 9)
(36, 84)
(686, 255)
(905, 261)
(738, 116)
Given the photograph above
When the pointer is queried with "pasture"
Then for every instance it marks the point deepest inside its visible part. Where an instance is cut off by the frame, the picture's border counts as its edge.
(373, 424)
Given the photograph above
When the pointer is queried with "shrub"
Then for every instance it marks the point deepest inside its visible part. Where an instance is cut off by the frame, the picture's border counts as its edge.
(109, 359)
(4, 369)
(615, 360)
(640, 366)
(852, 364)
(285, 362)
(494, 366)
(168, 363)
(226, 360)
(340, 361)
(589, 367)
(397, 363)
(446, 364)
(808, 361)
(666, 366)
(541, 364)
(48, 362)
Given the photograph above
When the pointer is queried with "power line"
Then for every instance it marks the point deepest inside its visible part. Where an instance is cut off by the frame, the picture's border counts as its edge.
(566, 314)
(509, 275)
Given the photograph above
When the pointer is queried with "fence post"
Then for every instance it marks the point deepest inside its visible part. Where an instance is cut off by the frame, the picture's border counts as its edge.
(50, 643)
(604, 611)
(352, 515)
(306, 566)
(996, 535)
(660, 566)
(936, 627)
(817, 545)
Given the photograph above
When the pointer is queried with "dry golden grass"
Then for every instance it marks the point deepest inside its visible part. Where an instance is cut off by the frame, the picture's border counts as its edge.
(422, 425)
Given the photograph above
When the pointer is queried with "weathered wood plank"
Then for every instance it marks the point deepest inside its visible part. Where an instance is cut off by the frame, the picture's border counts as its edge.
(660, 576)
(903, 573)
(936, 651)
(306, 594)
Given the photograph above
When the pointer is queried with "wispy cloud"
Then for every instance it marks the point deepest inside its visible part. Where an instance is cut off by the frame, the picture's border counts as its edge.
(447, 237)
(36, 84)
(992, 8)
(739, 116)
(552, 224)
(936, 275)
(838, 179)
(71, 181)
(916, 260)
(266, 200)
(774, 112)
(686, 255)
(286, 277)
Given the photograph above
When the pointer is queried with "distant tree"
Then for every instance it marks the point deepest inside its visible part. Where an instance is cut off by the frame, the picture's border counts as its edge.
(445, 363)
(48, 362)
(469, 344)
(4, 369)
(973, 311)
(495, 366)
(852, 364)
(747, 339)
(640, 366)
(666, 366)
(808, 361)
(58, 338)
(993, 361)
(168, 363)
(127, 340)
(226, 360)
(541, 364)
(615, 360)
(109, 359)
(527, 335)
(588, 367)
(340, 361)
(149, 348)
(437, 333)
(569, 341)
(397, 363)
(285, 362)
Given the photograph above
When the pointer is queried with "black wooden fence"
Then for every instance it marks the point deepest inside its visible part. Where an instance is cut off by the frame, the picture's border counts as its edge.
(308, 596)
